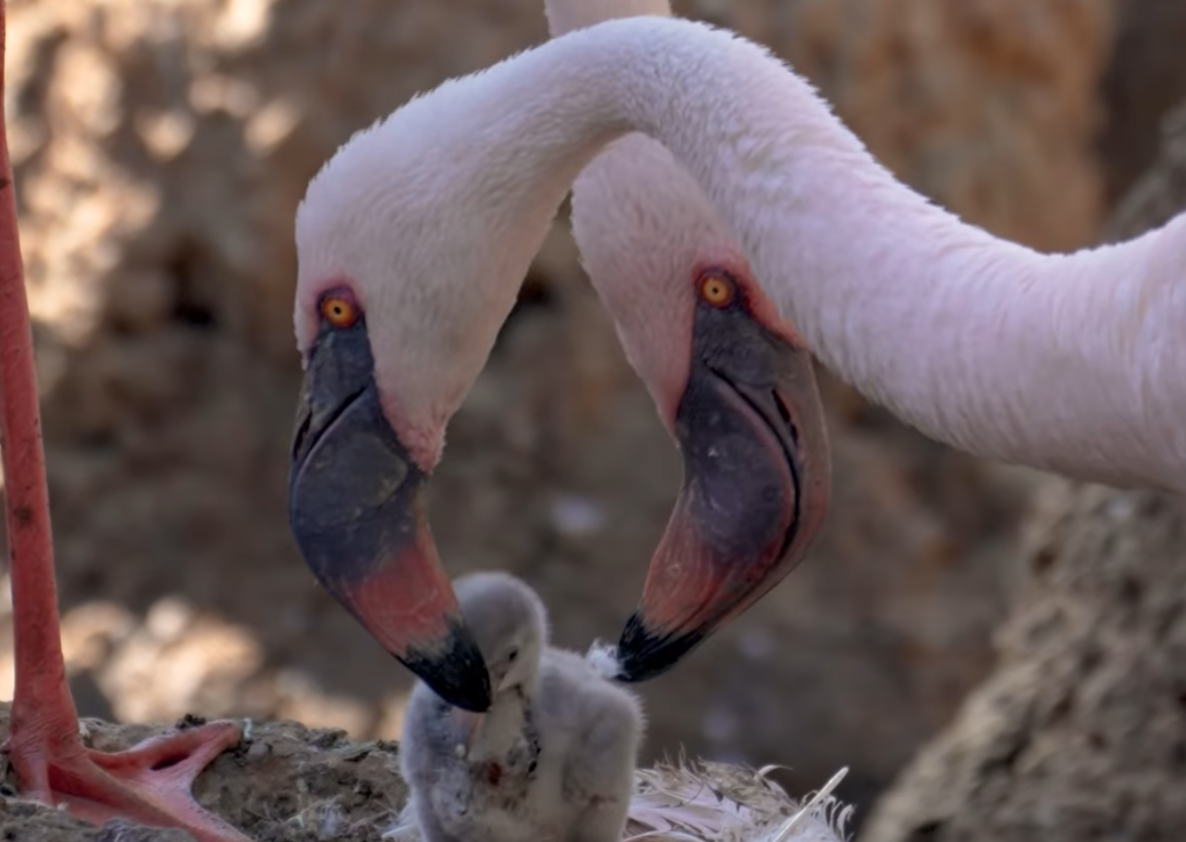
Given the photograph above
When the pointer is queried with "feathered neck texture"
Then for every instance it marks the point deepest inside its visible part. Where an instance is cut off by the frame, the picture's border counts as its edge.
(1062, 362)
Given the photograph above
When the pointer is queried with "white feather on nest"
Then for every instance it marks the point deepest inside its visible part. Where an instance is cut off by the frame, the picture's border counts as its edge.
(714, 802)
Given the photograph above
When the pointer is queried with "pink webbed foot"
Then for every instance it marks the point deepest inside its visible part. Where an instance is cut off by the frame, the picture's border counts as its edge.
(149, 783)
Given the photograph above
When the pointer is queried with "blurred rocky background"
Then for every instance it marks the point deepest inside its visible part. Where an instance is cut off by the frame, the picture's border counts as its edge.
(160, 149)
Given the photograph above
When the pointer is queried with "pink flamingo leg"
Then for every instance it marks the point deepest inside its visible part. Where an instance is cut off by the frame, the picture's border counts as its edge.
(151, 782)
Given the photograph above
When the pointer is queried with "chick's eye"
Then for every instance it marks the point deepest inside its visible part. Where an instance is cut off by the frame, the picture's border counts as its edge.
(339, 311)
(717, 290)
(513, 655)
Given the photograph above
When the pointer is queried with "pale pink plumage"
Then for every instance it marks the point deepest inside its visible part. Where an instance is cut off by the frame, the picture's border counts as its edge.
(1062, 362)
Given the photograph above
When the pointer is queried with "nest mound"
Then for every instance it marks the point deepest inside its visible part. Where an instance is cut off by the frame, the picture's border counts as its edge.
(286, 782)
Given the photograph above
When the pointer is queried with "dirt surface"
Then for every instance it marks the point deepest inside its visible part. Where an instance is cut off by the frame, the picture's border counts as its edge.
(1080, 732)
(284, 783)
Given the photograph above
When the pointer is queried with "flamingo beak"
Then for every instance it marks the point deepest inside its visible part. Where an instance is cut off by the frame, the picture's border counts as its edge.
(357, 510)
(756, 486)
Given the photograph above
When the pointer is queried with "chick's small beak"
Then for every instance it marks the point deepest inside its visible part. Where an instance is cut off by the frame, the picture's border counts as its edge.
(357, 511)
(756, 487)
(509, 680)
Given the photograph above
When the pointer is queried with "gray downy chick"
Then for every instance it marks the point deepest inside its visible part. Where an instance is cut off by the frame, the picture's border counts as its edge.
(553, 759)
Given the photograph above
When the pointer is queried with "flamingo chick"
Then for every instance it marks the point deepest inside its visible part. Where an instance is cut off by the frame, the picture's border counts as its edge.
(552, 759)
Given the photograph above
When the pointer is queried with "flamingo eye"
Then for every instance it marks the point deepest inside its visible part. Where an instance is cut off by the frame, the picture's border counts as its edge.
(340, 311)
(717, 290)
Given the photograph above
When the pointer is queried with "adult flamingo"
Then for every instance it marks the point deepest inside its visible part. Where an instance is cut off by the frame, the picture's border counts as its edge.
(646, 230)
(149, 783)
(427, 222)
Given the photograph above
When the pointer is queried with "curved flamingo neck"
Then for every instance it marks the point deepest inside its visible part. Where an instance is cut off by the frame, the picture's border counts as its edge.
(1047, 361)
(1063, 362)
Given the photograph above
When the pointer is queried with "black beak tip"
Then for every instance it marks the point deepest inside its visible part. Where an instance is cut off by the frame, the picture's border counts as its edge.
(458, 674)
(643, 654)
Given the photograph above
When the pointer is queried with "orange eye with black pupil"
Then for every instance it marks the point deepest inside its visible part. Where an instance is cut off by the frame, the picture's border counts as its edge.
(340, 312)
(717, 290)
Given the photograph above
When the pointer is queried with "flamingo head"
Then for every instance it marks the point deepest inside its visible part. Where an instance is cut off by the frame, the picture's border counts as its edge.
(733, 384)
(357, 503)
(404, 278)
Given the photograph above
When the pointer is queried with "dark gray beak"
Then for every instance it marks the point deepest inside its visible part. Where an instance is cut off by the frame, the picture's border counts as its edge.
(756, 486)
(357, 510)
